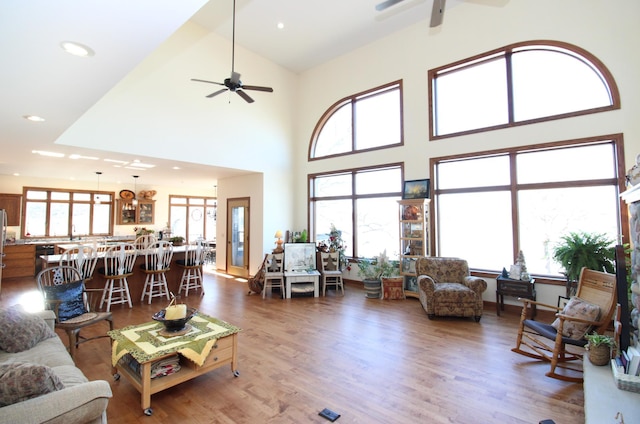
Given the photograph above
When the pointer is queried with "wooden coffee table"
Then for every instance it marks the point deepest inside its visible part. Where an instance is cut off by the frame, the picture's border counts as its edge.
(210, 344)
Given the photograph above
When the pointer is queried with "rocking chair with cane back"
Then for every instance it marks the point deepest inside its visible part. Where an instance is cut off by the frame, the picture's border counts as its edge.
(591, 309)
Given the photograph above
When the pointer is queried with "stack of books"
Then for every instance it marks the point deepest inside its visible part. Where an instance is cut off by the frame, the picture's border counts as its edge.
(160, 368)
(628, 362)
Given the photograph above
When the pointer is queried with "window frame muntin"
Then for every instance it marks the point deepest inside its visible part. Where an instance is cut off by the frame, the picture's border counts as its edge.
(506, 52)
(349, 101)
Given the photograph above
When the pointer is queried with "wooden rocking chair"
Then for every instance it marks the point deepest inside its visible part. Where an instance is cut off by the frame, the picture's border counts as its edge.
(596, 293)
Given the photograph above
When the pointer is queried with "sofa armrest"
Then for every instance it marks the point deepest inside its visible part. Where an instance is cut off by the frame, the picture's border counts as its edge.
(81, 403)
(48, 316)
(476, 284)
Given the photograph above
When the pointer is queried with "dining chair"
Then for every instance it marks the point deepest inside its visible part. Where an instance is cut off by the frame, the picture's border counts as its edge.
(63, 291)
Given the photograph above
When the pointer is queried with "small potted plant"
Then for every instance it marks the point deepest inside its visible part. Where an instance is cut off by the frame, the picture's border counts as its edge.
(372, 270)
(600, 348)
(177, 240)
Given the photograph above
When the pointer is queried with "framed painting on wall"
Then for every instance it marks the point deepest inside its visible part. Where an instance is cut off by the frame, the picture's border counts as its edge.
(416, 189)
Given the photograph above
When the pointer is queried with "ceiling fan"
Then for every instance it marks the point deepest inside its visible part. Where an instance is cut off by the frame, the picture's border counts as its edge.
(233, 83)
(437, 12)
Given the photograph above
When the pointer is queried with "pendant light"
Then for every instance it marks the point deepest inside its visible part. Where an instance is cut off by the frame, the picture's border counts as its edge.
(135, 191)
(96, 198)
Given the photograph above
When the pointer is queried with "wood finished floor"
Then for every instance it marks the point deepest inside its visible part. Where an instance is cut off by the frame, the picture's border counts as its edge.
(372, 361)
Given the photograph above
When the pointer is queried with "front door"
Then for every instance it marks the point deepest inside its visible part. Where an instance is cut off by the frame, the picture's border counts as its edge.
(238, 237)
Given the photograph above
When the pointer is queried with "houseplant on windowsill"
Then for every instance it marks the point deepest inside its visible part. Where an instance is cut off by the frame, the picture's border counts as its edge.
(372, 270)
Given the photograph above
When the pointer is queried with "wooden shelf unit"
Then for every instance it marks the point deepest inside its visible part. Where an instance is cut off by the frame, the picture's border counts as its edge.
(414, 239)
(129, 214)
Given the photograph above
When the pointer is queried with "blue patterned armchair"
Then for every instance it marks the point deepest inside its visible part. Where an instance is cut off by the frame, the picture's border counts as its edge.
(446, 288)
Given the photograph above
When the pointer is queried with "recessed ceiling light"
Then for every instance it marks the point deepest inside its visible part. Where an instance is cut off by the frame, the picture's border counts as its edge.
(176, 167)
(77, 49)
(33, 118)
(280, 25)
(76, 156)
(50, 154)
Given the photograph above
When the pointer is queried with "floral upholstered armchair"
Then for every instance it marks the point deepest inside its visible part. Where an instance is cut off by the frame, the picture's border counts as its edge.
(446, 288)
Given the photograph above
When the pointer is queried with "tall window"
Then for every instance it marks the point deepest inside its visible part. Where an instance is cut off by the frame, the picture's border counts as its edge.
(52, 212)
(521, 83)
(193, 217)
(490, 206)
(364, 121)
(362, 203)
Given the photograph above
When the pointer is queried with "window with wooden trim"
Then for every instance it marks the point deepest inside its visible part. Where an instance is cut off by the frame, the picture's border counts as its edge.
(362, 203)
(489, 206)
(64, 213)
(518, 84)
(365, 121)
(193, 217)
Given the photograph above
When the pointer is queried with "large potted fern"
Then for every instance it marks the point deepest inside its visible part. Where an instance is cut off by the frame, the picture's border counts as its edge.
(580, 249)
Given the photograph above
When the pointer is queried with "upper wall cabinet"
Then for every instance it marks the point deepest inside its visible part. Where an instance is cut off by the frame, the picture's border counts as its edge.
(140, 214)
(11, 205)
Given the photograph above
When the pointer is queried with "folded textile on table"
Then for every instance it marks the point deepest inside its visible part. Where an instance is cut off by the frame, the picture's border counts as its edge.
(165, 366)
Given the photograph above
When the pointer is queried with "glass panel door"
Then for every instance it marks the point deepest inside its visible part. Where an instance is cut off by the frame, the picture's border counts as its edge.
(238, 237)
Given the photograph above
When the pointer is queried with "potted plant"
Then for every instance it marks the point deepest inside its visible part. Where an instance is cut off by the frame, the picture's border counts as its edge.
(580, 249)
(177, 240)
(372, 270)
(600, 347)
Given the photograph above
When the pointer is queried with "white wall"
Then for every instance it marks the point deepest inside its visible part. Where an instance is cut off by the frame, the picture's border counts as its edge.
(607, 30)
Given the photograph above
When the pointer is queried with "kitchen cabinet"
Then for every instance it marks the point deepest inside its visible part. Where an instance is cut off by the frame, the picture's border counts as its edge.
(11, 205)
(19, 260)
(141, 214)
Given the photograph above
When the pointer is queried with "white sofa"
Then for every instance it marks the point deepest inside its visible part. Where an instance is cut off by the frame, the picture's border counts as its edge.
(80, 401)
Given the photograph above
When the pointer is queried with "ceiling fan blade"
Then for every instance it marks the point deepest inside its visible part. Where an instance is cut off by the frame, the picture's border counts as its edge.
(437, 13)
(209, 82)
(386, 4)
(244, 96)
(216, 93)
(257, 88)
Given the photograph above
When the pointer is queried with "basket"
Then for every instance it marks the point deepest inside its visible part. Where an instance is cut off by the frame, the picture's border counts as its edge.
(624, 381)
(599, 355)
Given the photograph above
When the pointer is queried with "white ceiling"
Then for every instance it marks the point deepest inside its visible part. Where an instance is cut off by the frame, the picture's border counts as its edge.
(38, 78)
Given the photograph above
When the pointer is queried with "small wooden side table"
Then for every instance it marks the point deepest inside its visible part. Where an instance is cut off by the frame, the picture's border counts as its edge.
(515, 288)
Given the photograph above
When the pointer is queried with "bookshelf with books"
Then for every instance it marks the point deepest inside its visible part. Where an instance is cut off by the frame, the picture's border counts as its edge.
(414, 239)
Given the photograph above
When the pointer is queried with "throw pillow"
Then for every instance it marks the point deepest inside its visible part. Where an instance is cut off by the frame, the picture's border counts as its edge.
(392, 288)
(577, 308)
(71, 299)
(21, 330)
(21, 381)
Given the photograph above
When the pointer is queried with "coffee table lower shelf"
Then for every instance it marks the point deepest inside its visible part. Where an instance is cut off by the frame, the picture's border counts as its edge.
(224, 352)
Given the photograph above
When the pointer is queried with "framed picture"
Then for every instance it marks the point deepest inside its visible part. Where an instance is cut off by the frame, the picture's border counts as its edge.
(416, 189)
(299, 257)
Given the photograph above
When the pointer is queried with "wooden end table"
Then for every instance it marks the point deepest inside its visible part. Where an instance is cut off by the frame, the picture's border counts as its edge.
(514, 288)
(145, 345)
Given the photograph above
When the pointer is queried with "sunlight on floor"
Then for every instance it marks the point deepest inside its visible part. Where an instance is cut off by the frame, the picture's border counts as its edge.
(32, 301)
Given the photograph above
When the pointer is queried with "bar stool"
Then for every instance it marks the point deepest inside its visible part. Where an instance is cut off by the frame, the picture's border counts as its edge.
(194, 257)
(273, 273)
(118, 266)
(156, 264)
(81, 257)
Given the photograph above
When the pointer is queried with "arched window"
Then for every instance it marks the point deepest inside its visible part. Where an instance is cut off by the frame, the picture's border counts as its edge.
(519, 84)
(365, 121)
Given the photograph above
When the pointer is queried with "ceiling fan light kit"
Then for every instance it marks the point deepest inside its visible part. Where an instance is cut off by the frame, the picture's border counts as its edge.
(233, 83)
